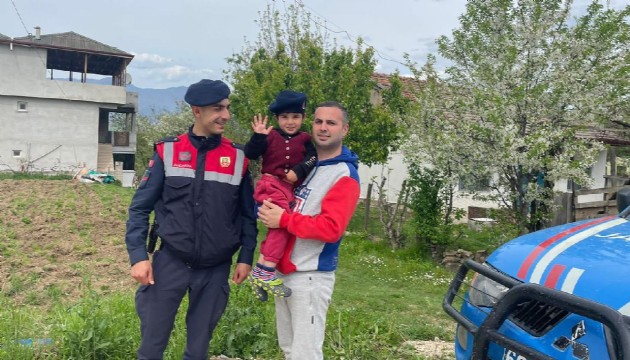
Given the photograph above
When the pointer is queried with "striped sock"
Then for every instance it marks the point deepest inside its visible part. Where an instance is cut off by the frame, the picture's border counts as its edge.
(264, 273)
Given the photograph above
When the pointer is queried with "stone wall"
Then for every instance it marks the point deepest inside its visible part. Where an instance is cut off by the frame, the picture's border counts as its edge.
(453, 259)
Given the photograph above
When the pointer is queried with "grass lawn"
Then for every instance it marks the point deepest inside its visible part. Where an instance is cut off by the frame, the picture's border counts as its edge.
(66, 292)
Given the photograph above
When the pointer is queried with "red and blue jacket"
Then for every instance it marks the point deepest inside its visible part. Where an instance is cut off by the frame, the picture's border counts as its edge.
(324, 205)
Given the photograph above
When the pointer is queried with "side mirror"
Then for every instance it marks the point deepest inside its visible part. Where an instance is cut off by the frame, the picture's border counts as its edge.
(623, 199)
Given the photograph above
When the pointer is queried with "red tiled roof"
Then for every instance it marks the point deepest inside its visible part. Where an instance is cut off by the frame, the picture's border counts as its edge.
(606, 136)
(410, 85)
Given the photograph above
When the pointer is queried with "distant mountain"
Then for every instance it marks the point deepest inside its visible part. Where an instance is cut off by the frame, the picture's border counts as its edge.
(153, 101)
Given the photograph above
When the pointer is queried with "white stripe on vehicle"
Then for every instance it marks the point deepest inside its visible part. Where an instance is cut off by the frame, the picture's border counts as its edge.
(554, 252)
(571, 280)
(625, 310)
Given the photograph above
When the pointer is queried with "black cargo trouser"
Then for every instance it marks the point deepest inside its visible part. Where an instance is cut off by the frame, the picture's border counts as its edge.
(157, 305)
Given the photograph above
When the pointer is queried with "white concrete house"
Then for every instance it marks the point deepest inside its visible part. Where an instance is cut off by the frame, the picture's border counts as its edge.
(51, 125)
(603, 172)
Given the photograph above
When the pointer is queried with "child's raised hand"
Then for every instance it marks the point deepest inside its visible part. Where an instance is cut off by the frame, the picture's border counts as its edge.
(259, 125)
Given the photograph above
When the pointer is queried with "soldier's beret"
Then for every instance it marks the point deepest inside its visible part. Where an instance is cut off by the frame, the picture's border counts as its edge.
(206, 92)
(289, 101)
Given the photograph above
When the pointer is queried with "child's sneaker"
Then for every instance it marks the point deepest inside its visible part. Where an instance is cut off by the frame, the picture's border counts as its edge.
(259, 292)
(273, 286)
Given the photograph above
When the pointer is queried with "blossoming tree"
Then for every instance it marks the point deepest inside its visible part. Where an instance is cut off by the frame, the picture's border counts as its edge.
(524, 78)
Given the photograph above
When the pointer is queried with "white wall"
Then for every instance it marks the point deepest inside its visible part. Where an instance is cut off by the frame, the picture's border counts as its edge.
(43, 127)
(396, 172)
(597, 173)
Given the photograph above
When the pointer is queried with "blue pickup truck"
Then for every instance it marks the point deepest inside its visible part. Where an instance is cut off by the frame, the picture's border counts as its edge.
(558, 293)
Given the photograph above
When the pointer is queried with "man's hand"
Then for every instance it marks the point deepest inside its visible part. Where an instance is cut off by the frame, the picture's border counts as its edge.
(259, 125)
(240, 273)
(270, 214)
(142, 271)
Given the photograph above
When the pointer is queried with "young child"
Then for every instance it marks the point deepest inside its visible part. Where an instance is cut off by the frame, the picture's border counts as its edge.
(288, 155)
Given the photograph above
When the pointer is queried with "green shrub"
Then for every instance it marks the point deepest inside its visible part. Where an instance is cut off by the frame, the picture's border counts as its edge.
(428, 201)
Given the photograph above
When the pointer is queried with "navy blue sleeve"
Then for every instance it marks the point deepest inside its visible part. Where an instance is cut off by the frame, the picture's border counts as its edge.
(142, 204)
(256, 146)
(249, 231)
(308, 163)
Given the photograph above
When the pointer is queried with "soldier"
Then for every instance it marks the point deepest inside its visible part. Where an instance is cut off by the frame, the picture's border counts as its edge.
(200, 188)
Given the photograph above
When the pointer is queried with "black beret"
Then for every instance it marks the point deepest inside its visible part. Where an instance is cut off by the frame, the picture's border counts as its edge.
(289, 101)
(206, 92)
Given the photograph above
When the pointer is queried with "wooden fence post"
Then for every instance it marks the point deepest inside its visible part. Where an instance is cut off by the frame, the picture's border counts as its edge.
(368, 199)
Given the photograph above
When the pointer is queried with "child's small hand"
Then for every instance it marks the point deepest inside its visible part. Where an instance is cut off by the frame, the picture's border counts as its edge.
(259, 125)
(291, 177)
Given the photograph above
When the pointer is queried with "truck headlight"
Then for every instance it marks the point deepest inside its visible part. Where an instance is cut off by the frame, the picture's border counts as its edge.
(485, 292)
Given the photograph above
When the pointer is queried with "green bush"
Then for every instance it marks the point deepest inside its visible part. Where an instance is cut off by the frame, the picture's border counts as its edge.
(487, 238)
(427, 201)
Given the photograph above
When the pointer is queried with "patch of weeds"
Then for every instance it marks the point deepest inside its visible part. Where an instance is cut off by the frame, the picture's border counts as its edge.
(58, 204)
(34, 277)
(17, 283)
(19, 204)
(36, 248)
(96, 328)
(350, 336)
(77, 266)
(88, 248)
(12, 235)
(247, 329)
(116, 240)
(33, 297)
(54, 292)
(51, 257)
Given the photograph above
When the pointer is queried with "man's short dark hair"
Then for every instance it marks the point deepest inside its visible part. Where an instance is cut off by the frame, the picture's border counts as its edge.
(337, 105)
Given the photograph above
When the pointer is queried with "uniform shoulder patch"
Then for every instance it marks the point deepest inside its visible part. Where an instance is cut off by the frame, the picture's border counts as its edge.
(167, 139)
(238, 146)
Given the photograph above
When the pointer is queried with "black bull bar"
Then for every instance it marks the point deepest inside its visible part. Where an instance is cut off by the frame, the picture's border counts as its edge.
(618, 325)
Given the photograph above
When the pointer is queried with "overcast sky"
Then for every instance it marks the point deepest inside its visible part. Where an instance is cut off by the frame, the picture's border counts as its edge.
(176, 43)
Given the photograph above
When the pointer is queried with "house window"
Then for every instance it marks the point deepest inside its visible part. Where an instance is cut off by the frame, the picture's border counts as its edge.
(120, 124)
(22, 106)
(17, 153)
(474, 184)
(572, 186)
(128, 160)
